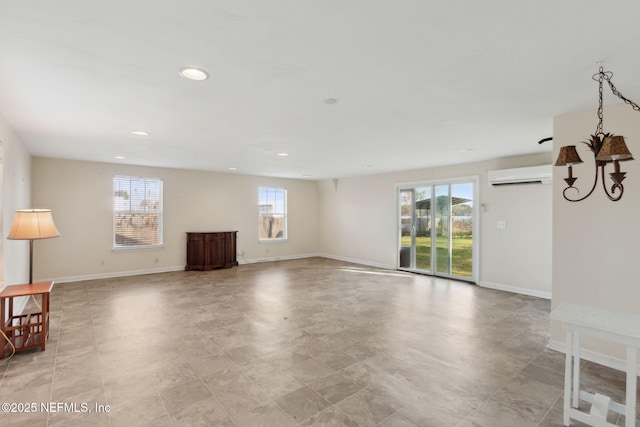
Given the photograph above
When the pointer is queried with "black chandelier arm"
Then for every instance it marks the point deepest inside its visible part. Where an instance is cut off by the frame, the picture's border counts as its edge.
(595, 183)
(615, 186)
(613, 190)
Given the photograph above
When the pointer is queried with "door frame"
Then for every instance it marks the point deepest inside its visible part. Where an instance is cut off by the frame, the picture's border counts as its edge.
(475, 245)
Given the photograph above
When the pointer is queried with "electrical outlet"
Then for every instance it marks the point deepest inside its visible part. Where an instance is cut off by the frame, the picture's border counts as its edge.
(501, 225)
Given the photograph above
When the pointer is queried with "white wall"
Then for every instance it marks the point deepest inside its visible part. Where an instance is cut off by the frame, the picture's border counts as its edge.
(359, 222)
(595, 241)
(352, 219)
(81, 196)
(15, 189)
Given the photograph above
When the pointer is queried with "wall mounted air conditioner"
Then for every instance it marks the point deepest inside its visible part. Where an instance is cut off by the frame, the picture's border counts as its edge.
(527, 175)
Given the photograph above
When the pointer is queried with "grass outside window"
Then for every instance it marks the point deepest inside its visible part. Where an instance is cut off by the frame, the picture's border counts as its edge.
(461, 252)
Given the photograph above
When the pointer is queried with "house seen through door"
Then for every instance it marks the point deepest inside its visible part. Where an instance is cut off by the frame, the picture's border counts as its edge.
(438, 229)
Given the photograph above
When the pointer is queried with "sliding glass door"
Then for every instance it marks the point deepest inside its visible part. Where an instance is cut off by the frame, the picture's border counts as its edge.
(442, 231)
(437, 228)
(407, 235)
(415, 228)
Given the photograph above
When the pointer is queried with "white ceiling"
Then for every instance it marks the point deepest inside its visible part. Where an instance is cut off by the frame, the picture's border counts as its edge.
(418, 83)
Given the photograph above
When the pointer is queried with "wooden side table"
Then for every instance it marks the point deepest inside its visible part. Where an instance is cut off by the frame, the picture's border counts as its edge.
(623, 328)
(27, 330)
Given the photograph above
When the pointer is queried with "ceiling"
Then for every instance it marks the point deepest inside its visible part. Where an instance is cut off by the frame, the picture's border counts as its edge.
(346, 88)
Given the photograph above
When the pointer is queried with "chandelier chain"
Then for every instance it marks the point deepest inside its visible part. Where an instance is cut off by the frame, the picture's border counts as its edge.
(617, 93)
(606, 75)
(601, 75)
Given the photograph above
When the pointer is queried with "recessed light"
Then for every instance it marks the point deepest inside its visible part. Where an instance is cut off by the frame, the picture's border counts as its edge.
(306, 175)
(141, 133)
(282, 154)
(366, 166)
(192, 73)
(119, 157)
(466, 150)
(233, 169)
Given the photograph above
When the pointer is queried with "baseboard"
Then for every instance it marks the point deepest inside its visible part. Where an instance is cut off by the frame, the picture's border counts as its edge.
(334, 257)
(276, 258)
(113, 274)
(515, 289)
(359, 261)
(592, 356)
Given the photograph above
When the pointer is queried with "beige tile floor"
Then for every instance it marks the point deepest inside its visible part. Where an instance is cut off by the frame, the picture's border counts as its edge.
(314, 342)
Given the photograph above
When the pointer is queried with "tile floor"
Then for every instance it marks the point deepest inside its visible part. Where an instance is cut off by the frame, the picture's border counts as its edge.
(314, 342)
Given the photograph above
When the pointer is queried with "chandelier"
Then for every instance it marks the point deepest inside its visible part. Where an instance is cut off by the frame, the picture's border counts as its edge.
(605, 147)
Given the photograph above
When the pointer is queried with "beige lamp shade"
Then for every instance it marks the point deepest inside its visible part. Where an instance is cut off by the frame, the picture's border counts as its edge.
(568, 156)
(614, 148)
(32, 224)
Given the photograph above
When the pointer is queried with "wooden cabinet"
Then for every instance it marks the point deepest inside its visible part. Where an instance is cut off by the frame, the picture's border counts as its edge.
(211, 250)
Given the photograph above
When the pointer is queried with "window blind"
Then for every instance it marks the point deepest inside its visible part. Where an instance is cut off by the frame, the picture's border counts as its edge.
(137, 212)
(272, 213)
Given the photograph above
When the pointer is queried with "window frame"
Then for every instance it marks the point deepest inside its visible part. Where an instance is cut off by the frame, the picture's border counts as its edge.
(284, 213)
(160, 213)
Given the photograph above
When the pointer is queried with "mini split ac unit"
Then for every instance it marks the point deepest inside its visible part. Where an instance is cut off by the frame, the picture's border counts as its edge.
(527, 175)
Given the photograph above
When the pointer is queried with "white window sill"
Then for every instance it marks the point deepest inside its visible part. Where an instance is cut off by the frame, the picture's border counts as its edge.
(137, 248)
(283, 240)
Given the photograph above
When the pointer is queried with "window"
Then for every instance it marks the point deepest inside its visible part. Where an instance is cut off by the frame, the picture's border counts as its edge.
(137, 212)
(272, 213)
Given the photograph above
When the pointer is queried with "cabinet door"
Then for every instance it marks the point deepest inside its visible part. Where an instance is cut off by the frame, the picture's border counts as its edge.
(195, 251)
(230, 249)
(215, 246)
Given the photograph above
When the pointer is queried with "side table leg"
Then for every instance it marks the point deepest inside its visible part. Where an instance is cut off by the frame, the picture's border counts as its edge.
(45, 321)
(632, 374)
(567, 377)
(2, 326)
